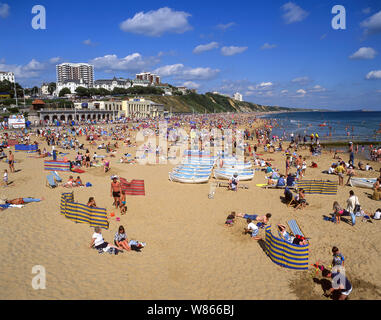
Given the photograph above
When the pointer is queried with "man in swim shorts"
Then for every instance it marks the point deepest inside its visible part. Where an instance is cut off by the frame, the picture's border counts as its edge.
(115, 191)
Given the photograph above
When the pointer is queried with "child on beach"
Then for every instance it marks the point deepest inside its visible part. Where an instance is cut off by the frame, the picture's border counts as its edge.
(252, 229)
(337, 212)
(338, 258)
(123, 207)
(230, 219)
(5, 178)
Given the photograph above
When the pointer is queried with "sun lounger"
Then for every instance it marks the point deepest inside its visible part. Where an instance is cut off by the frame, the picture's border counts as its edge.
(50, 182)
(295, 228)
(226, 184)
(56, 176)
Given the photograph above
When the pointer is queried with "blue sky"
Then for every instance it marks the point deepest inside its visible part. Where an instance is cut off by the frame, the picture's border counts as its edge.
(273, 52)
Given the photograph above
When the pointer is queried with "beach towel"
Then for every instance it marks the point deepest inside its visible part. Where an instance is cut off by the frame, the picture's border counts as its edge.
(318, 187)
(30, 148)
(77, 170)
(133, 188)
(12, 142)
(286, 254)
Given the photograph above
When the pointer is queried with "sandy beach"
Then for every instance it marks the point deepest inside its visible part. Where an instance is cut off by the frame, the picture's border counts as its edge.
(190, 253)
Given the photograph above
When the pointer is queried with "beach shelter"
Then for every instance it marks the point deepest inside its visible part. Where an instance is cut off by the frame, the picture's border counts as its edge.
(81, 213)
(56, 165)
(133, 188)
(286, 254)
(318, 187)
(26, 147)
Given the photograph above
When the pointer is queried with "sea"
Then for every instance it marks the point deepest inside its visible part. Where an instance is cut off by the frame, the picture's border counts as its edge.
(330, 126)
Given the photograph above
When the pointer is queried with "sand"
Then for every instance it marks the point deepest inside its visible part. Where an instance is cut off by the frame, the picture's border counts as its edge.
(190, 254)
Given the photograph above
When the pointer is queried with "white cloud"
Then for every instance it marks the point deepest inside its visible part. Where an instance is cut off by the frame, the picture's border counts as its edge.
(372, 24)
(30, 70)
(265, 84)
(316, 88)
(88, 42)
(268, 46)
(205, 47)
(191, 85)
(4, 10)
(376, 74)
(54, 60)
(131, 63)
(225, 26)
(301, 93)
(156, 23)
(232, 50)
(301, 80)
(284, 91)
(179, 71)
(293, 13)
(166, 53)
(364, 53)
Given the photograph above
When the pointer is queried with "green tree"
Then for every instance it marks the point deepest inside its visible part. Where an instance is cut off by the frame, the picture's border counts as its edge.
(52, 87)
(64, 91)
(104, 92)
(82, 92)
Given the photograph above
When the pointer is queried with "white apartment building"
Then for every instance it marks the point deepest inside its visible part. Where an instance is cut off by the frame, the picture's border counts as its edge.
(10, 76)
(72, 85)
(112, 84)
(45, 89)
(148, 76)
(237, 96)
(75, 71)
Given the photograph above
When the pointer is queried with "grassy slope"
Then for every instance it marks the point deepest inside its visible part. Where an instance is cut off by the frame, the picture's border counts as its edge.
(210, 102)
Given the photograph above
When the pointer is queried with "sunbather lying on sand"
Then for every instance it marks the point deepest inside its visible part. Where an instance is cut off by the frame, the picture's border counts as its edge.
(264, 219)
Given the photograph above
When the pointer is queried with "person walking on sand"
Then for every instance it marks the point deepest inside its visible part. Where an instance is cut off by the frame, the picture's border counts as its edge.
(11, 161)
(115, 191)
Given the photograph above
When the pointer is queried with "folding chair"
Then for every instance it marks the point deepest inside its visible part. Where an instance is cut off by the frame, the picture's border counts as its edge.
(56, 176)
(50, 182)
(295, 228)
(290, 200)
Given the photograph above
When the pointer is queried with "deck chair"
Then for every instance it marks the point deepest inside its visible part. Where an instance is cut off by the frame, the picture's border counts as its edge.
(290, 199)
(50, 182)
(295, 229)
(56, 176)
